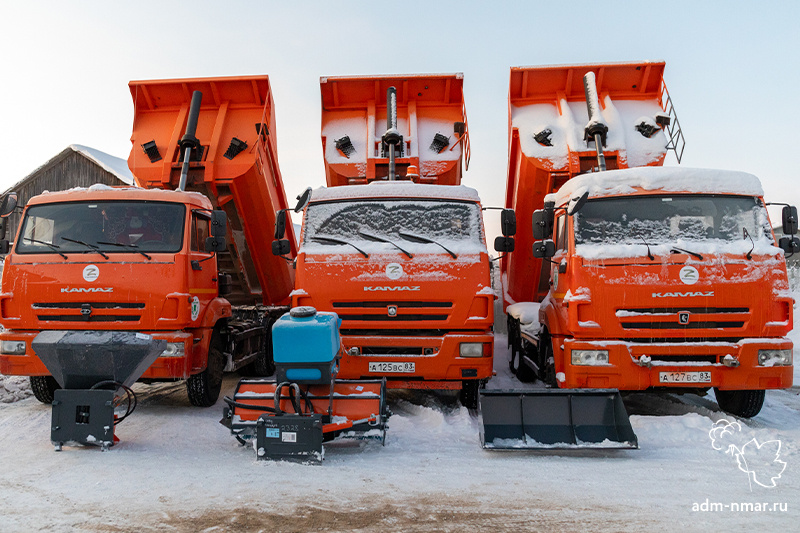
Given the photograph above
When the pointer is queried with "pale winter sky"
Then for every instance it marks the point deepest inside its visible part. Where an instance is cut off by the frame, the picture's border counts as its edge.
(732, 70)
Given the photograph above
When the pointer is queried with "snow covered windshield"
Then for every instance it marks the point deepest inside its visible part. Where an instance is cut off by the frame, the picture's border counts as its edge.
(707, 220)
(454, 225)
(110, 227)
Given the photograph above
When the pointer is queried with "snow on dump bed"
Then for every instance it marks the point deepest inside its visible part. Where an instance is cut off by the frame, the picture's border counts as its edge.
(567, 129)
(666, 179)
(396, 189)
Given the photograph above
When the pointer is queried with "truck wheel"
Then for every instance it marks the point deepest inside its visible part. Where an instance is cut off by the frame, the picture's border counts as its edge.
(523, 372)
(469, 393)
(204, 388)
(547, 363)
(264, 364)
(44, 388)
(743, 403)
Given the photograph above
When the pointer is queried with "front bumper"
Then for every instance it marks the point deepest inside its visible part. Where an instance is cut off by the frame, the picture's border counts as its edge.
(625, 371)
(436, 359)
(29, 363)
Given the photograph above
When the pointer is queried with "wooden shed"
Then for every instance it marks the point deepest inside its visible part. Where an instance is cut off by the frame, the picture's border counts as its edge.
(75, 166)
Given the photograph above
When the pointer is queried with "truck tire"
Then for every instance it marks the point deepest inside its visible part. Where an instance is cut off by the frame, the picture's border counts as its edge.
(204, 388)
(547, 365)
(469, 393)
(264, 364)
(44, 388)
(742, 403)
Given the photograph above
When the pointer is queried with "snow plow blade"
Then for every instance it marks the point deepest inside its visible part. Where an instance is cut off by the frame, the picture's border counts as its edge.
(555, 419)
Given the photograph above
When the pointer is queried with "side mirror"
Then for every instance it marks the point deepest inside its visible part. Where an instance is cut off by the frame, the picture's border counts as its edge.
(302, 201)
(789, 220)
(575, 204)
(542, 224)
(508, 222)
(790, 245)
(215, 244)
(281, 247)
(219, 223)
(544, 249)
(9, 203)
(280, 224)
(503, 244)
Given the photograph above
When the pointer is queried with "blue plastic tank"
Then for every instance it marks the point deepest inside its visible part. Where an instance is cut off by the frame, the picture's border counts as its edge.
(305, 343)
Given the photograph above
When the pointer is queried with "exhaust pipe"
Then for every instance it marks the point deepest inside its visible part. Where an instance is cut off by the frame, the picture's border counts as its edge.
(596, 129)
(189, 141)
(392, 137)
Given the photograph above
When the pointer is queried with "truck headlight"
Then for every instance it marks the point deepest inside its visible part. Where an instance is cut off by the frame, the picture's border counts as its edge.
(590, 357)
(774, 357)
(12, 347)
(174, 349)
(470, 349)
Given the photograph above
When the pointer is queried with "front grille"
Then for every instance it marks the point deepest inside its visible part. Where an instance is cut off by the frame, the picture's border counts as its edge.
(676, 325)
(395, 350)
(668, 318)
(89, 318)
(379, 304)
(94, 305)
(399, 317)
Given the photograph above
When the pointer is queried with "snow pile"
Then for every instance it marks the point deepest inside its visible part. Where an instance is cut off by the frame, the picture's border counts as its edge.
(14, 388)
(661, 179)
(396, 189)
(566, 131)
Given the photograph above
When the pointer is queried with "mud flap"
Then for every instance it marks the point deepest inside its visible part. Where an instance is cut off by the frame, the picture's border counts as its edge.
(555, 419)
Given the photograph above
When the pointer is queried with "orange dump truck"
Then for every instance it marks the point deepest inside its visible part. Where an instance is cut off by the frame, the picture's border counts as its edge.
(190, 266)
(653, 278)
(402, 261)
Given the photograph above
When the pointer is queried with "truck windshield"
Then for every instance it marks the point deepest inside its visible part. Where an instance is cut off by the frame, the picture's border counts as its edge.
(454, 224)
(109, 227)
(702, 219)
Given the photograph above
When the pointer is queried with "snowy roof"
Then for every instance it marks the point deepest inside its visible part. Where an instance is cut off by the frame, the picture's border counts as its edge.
(114, 165)
(396, 189)
(666, 179)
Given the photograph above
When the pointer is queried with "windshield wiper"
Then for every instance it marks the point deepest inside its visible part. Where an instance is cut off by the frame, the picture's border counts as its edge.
(331, 240)
(131, 246)
(378, 238)
(90, 246)
(419, 238)
(649, 254)
(676, 250)
(745, 233)
(53, 246)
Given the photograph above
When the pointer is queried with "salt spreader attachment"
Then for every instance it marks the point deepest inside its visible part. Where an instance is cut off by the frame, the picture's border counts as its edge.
(96, 370)
(292, 415)
(555, 419)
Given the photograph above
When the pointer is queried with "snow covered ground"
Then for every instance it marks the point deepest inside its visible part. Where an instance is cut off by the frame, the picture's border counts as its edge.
(177, 469)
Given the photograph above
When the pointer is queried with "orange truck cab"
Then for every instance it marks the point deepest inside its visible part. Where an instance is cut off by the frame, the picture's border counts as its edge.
(651, 278)
(190, 266)
(404, 263)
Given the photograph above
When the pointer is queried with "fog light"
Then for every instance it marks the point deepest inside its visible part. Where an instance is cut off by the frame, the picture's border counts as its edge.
(590, 357)
(774, 357)
(174, 349)
(470, 349)
(12, 347)
(354, 351)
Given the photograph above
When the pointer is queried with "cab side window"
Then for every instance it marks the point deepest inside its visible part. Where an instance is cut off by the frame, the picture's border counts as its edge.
(561, 232)
(199, 231)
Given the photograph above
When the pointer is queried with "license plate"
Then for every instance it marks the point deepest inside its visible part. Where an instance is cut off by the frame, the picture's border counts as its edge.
(684, 377)
(392, 368)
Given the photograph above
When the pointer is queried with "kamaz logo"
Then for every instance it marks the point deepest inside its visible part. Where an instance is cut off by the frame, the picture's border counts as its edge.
(681, 294)
(398, 288)
(87, 289)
